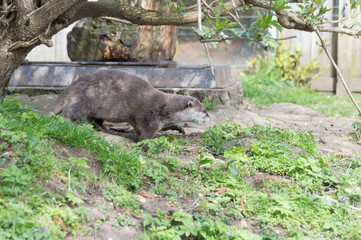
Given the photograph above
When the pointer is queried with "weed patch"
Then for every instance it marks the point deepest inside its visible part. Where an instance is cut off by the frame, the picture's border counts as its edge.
(209, 104)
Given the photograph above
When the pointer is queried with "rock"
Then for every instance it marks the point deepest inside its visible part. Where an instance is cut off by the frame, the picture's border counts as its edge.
(141, 199)
(231, 95)
(105, 40)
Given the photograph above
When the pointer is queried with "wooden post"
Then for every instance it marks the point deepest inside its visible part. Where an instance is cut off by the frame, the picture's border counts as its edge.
(344, 50)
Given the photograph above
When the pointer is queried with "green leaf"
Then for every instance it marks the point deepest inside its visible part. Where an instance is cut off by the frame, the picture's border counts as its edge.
(237, 31)
(206, 158)
(147, 219)
(233, 170)
(281, 4)
(72, 198)
(80, 162)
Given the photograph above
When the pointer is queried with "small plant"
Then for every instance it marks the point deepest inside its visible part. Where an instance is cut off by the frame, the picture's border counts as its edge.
(287, 64)
(157, 172)
(74, 200)
(209, 104)
(123, 221)
(79, 162)
(238, 162)
(220, 137)
(14, 179)
(357, 130)
(206, 159)
(121, 197)
(183, 226)
(161, 144)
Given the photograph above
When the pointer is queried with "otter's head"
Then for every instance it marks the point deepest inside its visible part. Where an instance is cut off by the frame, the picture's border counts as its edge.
(194, 111)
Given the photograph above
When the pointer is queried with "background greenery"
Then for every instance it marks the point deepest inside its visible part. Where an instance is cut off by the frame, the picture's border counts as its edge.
(281, 78)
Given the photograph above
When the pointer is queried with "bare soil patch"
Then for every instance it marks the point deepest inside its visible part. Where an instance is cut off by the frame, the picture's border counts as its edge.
(333, 134)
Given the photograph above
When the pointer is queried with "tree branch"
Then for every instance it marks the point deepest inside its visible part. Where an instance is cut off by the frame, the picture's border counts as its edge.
(141, 16)
(339, 74)
(200, 29)
(117, 20)
(290, 20)
(7, 15)
(50, 11)
(215, 39)
(346, 31)
(134, 14)
(42, 38)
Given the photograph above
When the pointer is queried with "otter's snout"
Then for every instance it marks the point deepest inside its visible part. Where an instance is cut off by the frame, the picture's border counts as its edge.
(204, 117)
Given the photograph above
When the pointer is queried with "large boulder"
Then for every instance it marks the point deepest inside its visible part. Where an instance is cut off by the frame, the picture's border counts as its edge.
(105, 40)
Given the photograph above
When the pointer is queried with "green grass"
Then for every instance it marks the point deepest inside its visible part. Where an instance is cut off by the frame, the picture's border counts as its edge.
(300, 207)
(29, 160)
(315, 200)
(264, 86)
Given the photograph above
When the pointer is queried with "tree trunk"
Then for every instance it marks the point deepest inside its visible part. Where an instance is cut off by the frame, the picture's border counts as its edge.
(9, 63)
(159, 42)
(26, 24)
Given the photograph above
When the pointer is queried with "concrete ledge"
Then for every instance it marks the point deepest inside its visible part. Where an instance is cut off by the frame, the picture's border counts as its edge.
(39, 78)
(55, 74)
(231, 95)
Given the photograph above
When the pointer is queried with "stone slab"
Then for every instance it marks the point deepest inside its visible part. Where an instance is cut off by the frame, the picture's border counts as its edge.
(163, 74)
(231, 95)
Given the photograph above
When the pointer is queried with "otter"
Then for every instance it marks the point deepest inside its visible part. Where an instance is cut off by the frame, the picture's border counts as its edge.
(118, 96)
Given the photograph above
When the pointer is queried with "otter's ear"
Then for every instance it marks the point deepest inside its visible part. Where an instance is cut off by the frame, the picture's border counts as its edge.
(190, 104)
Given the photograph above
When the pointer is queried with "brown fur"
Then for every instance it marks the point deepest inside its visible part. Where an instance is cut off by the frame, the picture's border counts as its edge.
(118, 96)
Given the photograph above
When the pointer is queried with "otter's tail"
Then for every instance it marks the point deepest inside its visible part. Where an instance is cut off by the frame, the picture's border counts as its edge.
(56, 108)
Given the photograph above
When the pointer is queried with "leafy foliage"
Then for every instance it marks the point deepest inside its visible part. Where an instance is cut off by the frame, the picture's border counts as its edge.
(220, 137)
(26, 208)
(121, 197)
(269, 152)
(122, 221)
(288, 63)
(161, 144)
(217, 27)
(181, 225)
(265, 85)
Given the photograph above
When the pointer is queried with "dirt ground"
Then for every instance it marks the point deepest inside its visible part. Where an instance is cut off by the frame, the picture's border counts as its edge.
(334, 136)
